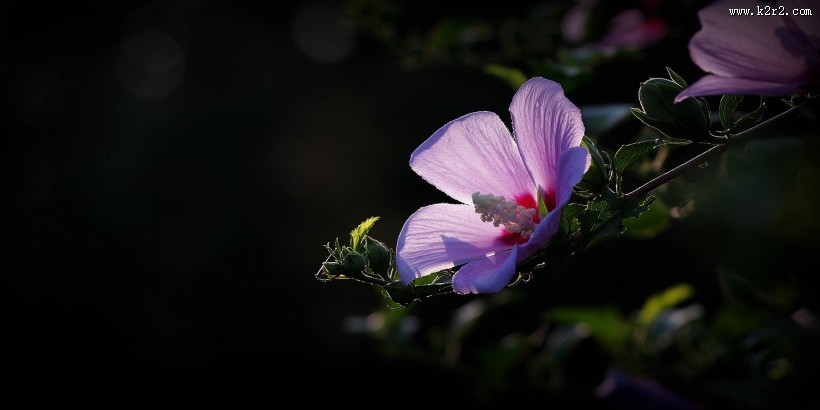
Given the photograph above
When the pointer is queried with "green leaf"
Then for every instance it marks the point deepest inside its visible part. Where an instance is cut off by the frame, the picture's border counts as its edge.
(357, 235)
(632, 153)
(728, 104)
(675, 77)
(659, 302)
(597, 173)
(687, 119)
(512, 76)
(569, 218)
(652, 222)
(603, 217)
(739, 289)
(432, 286)
(606, 323)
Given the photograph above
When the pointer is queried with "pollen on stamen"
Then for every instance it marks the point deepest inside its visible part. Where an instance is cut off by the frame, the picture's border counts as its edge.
(498, 210)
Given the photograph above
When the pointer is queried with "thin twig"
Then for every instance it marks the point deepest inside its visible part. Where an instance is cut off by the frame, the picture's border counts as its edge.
(705, 156)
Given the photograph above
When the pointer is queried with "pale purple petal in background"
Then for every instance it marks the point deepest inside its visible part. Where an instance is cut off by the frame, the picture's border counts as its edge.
(632, 29)
(809, 25)
(758, 55)
(715, 85)
(473, 153)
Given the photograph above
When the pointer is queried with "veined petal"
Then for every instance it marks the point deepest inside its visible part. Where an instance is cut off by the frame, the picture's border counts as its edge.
(487, 275)
(545, 124)
(716, 85)
(443, 236)
(474, 153)
(761, 48)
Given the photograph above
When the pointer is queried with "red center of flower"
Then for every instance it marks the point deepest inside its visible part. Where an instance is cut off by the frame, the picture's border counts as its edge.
(528, 201)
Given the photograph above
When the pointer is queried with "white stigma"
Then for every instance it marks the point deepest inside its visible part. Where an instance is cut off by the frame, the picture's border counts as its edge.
(499, 211)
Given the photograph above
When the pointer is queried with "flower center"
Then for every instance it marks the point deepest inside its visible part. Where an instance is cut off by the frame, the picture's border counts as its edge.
(516, 219)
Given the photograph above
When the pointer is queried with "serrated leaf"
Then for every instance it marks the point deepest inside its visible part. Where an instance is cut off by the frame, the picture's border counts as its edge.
(659, 302)
(357, 235)
(728, 104)
(405, 295)
(755, 115)
(603, 217)
(511, 76)
(569, 218)
(652, 222)
(675, 77)
(632, 153)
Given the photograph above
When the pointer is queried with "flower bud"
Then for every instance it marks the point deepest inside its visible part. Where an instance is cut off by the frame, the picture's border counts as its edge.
(378, 256)
(354, 263)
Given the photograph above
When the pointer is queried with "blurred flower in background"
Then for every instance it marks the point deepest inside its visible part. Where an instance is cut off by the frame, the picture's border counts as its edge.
(767, 55)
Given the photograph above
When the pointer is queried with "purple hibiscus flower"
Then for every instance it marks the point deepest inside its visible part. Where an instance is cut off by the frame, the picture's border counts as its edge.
(765, 55)
(501, 183)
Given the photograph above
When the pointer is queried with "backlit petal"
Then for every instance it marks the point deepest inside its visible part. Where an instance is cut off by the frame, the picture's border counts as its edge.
(756, 48)
(443, 236)
(714, 85)
(474, 153)
(545, 124)
(487, 275)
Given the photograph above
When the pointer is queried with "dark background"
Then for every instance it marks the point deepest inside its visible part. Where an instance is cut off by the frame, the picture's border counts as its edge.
(172, 169)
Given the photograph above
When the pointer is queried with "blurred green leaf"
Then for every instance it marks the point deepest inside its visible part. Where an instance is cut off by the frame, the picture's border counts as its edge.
(603, 217)
(650, 223)
(740, 289)
(513, 77)
(605, 323)
(728, 104)
(499, 360)
(659, 302)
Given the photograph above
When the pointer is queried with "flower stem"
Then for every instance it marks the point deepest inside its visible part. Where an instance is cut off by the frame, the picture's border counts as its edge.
(705, 156)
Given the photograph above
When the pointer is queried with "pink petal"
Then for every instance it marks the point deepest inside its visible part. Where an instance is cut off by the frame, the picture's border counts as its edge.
(545, 124)
(574, 164)
(488, 275)
(716, 85)
(443, 236)
(756, 48)
(474, 153)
